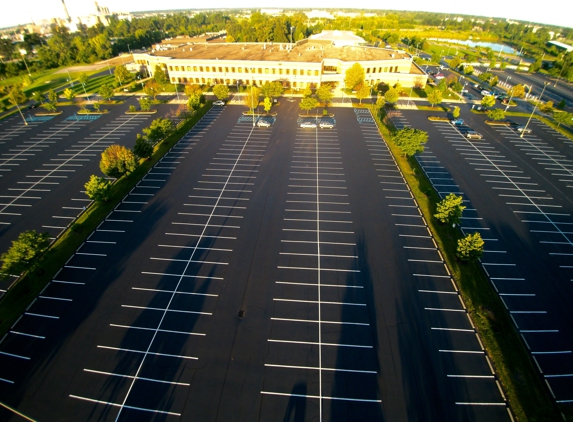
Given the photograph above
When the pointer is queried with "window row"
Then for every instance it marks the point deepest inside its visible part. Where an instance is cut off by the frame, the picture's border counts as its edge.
(248, 70)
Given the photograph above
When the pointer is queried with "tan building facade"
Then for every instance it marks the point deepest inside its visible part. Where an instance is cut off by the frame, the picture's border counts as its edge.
(295, 65)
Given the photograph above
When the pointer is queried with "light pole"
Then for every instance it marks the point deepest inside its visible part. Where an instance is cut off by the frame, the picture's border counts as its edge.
(23, 54)
(509, 102)
(19, 110)
(509, 77)
(109, 68)
(176, 91)
(252, 96)
(561, 71)
(534, 107)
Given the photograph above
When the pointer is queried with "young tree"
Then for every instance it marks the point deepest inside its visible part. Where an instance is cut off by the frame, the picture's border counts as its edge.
(143, 147)
(488, 101)
(434, 96)
(410, 140)
(106, 91)
(16, 96)
(98, 189)
(160, 75)
(52, 96)
(468, 70)
(144, 103)
(380, 102)
(456, 112)
(449, 210)
(470, 248)
(354, 76)
(561, 105)
(455, 62)
(38, 96)
(547, 107)
(363, 92)
(117, 160)
(49, 106)
(159, 129)
(563, 118)
(69, 94)
(496, 114)
(324, 94)
(267, 104)
(308, 103)
(391, 95)
(24, 251)
(84, 78)
(307, 91)
(517, 91)
(221, 91)
(193, 90)
(251, 100)
(494, 81)
(152, 89)
(122, 75)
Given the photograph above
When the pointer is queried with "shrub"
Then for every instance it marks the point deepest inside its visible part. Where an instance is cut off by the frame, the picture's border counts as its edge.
(23, 252)
(470, 248)
(98, 188)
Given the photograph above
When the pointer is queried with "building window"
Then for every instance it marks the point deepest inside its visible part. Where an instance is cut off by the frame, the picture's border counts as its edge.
(196, 80)
(200, 68)
(194, 68)
(171, 68)
(309, 72)
(295, 72)
(288, 71)
(260, 71)
(220, 69)
(316, 73)
(280, 71)
(173, 79)
(226, 69)
(266, 70)
(385, 69)
(207, 69)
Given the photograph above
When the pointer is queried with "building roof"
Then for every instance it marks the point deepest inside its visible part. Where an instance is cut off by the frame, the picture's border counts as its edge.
(303, 51)
(339, 37)
(562, 45)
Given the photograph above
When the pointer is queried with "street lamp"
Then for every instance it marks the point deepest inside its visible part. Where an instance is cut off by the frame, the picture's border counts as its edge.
(509, 77)
(562, 67)
(534, 107)
(23, 54)
(70, 78)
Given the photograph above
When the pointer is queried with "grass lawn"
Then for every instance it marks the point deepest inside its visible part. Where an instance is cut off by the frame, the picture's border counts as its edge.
(93, 84)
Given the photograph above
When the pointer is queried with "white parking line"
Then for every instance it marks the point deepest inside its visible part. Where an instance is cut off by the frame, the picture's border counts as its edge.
(123, 405)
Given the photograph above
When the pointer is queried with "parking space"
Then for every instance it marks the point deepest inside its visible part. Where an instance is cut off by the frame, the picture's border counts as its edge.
(251, 274)
(531, 219)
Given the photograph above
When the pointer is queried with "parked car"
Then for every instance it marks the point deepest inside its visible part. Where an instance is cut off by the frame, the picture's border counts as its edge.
(472, 134)
(523, 129)
(439, 76)
(478, 108)
(485, 92)
(263, 123)
(326, 125)
(219, 103)
(457, 122)
(308, 125)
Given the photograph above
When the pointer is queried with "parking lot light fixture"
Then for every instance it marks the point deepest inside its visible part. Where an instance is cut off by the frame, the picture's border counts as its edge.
(534, 108)
(508, 77)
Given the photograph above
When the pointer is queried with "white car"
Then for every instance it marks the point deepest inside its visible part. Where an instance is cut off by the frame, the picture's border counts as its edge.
(219, 103)
(263, 123)
(308, 125)
(473, 135)
(326, 125)
(485, 93)
(523, 129)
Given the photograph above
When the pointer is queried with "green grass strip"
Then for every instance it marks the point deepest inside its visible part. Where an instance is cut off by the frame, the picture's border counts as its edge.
(27, 288)
(525, 391)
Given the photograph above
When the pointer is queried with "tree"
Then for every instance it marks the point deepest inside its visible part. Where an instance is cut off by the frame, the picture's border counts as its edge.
(391, 95)
(69, 94)
(561, 105)
(221, 91)
(50, 107)
(143, 147)
(267, 104)
(354, 76)
(159, 129)
(98, 189)
(456, 112)
(52, 96)
(23, 253)
(160, 75)
(563, 118)
(193, 90)
(307, 91)
(488, 101)
(308, 103)
(324, 94)
(272, 89)
(251, 100)
(122, 75)
(494, 81)
(485, 76)
(84, 78)
(434, 96)
(380, 102)
(117, 160)
(455, 62)
(496, 114)
(363, 92)
(152, 89)
(410, 140)
(38, 96)
(449, 210)
(547, 107)
(516, 91)
(106, 92)
(468, 70)
(470, 248)
(144, 103)
(16, 96)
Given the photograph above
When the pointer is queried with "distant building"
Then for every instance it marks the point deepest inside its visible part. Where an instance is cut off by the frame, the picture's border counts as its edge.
(561, 45)
(339, 38)
(310, 61)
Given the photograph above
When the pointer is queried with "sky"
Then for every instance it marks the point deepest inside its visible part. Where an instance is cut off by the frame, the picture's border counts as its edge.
(557, 12)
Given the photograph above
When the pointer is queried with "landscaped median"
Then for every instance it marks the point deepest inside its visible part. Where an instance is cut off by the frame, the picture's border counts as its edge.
(27, 288)
(523, 387)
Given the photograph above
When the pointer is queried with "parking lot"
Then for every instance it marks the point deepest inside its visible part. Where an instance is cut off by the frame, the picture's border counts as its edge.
(517, 190)
(256, 272)
(45, 164)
